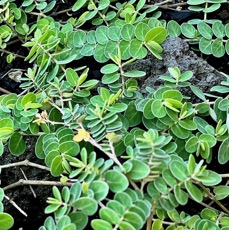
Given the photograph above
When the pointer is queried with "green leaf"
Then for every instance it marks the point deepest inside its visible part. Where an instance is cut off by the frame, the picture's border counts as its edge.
(221, 192)
(6, 221)
(138, 171)
(198, 92)
(194, 191)
(158, 109)
(101, 225)
(223, 154)
(69, 148)
(101, 35)
(157, 225)
(109, 69)
(155, 49)
(126, 226)
(78, 4)
(17, 145)
(124, 48)
(181, 196)
(211, 140)
(195, 2)
(134, 219)
(218, 29)
(56, 166)
(134, 73)
(179, 170)
(137, 50)
(39, 147)
(133, 116)
(114, 33)
(87, 205)
(109, 215)
(99, 54)
(191, 144)
(172, 94)
(188, 124)
(160, 185)
(191, 164)
(72, 77)
(100, 189)
(173, 29)
(209, 178)
(157, 35)
(110, 78)
(169, 178)
(217, 48)
(116, 180)
(103, 4)
(5, 31)
(127, 32)
(1, 148)
(188, 30)
(205, 46)
(220, 89)
(180, 132)
(140, 4)
(141, 30)
(205, 30)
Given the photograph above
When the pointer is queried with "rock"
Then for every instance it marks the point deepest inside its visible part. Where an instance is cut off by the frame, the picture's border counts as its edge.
(176, 53)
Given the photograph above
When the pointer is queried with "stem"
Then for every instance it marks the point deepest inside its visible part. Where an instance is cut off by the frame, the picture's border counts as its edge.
(4, 91)
(16, 206)
(33, 192)
(22, 182)
(25, 163)
(110, 155)
(61, 12)
(212, 197)
(225, 175)
(162, 3)
(8, 52)
(205, 13)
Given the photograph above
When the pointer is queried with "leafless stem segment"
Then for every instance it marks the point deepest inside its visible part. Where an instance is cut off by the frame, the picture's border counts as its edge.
(33, 192)
(25, 163)
(36, 182)
(4, 91)
(16, 206)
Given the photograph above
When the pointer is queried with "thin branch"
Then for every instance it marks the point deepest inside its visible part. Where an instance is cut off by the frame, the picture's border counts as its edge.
(61, 12)
(4, 91)
(162, 3)
(225, 175)
(36, 182)
(16, 206)
(33, 192)
(8, 52)
(25, 163)
(212, 197)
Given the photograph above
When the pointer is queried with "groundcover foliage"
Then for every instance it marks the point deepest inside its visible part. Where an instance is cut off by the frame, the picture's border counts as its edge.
(125, 160)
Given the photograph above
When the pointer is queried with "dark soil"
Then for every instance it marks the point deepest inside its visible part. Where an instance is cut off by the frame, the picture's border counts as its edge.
(23, 196)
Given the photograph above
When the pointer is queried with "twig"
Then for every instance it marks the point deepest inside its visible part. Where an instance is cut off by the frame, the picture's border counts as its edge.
(25, 163)
(224, 175)
(22, 182)
(8, 52)
(33, 192)
(212, 197)
(162, 3)
(4, 91)
(16, 206)
(60, 12)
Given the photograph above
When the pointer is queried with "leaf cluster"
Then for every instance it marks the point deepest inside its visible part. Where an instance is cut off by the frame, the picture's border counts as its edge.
(133, 159)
